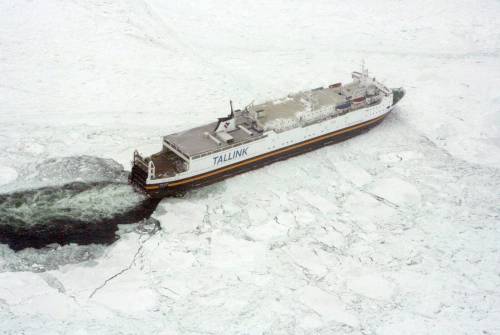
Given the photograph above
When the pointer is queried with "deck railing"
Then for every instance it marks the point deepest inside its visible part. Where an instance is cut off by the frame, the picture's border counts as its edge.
(151, 170)
(146, 165)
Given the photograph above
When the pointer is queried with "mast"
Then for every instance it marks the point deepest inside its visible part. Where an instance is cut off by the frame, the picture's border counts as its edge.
(364, 73)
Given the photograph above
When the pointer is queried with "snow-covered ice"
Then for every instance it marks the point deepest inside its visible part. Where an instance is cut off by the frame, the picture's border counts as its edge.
(392, 232)
(7, 175)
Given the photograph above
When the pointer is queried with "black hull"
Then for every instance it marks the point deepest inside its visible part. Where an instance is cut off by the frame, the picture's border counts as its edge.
(137, 176)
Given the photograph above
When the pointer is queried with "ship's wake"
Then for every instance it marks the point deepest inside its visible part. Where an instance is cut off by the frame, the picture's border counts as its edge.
(82, 212)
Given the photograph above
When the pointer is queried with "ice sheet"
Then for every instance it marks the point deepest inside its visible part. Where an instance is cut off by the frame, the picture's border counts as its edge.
(392, 232)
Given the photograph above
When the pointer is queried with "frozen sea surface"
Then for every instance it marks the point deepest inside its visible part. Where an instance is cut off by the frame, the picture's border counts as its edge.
(395, 231)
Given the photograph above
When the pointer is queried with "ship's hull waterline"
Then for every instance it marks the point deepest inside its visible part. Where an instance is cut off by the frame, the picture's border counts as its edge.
(181, 186)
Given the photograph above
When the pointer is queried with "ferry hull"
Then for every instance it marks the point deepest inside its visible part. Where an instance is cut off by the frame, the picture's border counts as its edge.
(181, 186)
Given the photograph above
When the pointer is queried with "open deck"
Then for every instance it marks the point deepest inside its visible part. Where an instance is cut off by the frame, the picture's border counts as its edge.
(167, 164)
(195, 142)
(288, 107)
(203, 140)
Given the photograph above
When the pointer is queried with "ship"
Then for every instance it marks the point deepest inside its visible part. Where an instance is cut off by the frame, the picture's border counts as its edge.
(260, 134)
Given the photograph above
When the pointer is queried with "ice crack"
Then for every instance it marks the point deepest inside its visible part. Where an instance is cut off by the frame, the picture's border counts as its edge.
(139, 250)
(382, 200)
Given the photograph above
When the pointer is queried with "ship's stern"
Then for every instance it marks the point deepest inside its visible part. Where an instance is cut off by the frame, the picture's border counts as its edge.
(138, 179)
(140, 174)
(152, 175)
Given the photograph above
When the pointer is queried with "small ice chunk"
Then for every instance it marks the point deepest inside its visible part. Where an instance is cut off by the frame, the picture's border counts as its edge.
(353, 173)
(323, 205)
(7, 175)
(270, 231)
(306, 258)
(400, 156)
(181, 216)
(327, 305)
(372, 286)
(396, 191)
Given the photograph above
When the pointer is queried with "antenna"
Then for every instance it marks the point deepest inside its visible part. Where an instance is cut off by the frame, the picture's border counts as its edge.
(311, 103)
(248, 106)
(364, 72)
